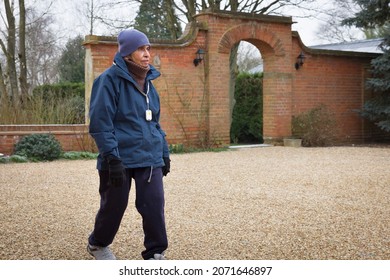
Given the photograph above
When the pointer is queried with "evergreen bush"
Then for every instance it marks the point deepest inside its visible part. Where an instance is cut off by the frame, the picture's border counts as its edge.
(17, 158)
(39, 147)
(75, 155)
(247, 118)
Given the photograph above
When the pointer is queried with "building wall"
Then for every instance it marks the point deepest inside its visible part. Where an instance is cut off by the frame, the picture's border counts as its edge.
(196, 102)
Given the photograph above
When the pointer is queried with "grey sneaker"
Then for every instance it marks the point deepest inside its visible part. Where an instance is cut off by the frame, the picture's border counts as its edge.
(158, 257)
(100, 253)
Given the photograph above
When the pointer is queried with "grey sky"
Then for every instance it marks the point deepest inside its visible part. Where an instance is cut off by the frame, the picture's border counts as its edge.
(72, 21)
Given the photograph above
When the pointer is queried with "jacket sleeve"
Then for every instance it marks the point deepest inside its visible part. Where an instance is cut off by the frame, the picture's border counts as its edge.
(103, 106)
(158, 126)
(165, 147)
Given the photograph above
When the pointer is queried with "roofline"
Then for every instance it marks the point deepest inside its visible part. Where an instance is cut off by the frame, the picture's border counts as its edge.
(351, 43)
(332, 52)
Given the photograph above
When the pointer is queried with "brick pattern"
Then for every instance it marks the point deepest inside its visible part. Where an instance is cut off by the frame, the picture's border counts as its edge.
(195, 101)
(71, 137)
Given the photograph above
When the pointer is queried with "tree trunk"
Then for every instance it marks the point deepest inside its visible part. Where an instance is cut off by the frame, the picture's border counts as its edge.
(92, 17)
(22, 50)
(190, 6)
(3, 89)
(171, 19)
(10, 52)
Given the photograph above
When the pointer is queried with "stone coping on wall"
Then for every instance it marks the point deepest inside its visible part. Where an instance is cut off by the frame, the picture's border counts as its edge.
(188, 37)
(72, 137)
(191, 30)
(243, 15)
(44, 128)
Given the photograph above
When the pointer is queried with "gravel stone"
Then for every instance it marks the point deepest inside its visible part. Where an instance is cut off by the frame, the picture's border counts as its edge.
(279, 203)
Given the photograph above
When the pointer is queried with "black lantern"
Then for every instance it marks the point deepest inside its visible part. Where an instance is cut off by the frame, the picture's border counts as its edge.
(199, 57)
(300, 60)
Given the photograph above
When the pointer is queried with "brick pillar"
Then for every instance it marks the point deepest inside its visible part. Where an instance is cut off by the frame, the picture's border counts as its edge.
(100, 52)
(277, 98)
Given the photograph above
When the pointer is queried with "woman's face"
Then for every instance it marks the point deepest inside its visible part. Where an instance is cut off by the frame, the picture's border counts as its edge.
(141, 56)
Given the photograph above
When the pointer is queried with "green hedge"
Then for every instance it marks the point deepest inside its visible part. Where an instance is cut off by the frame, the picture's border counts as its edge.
(247, 119)
(62, 90)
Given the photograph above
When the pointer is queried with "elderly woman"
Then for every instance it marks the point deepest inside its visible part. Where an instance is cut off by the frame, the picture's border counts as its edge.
(124, 122)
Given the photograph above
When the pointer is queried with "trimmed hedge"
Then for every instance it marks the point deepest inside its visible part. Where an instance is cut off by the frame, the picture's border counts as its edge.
(247, 118)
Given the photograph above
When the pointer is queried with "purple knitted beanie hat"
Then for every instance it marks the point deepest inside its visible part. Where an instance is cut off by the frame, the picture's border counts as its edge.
(129, 40)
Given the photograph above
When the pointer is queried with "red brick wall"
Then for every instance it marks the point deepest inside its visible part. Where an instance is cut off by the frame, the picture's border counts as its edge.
(71, 137)
(336, 79)
(195, 101)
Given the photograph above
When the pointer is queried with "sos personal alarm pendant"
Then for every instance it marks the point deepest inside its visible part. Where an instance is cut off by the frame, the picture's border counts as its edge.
(148, 115)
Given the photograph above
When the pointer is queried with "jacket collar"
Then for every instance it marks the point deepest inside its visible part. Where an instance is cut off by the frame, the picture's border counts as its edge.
(123, 72)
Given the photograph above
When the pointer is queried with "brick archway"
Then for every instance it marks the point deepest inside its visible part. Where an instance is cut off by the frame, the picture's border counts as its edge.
(249, 32)
(272, 36)
(277, 87)
(195, 99)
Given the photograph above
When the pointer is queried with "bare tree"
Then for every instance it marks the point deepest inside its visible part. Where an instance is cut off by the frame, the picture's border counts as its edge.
(3, 88)
(107, 15)
(26, 47)
(248, 57)
(189, 8)
(93, 10)
(332, 30)
(9, 78)
(117, 14)
(43, 51)
(22, 49)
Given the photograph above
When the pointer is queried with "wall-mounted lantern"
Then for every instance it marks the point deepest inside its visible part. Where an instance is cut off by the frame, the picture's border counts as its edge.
(199, 57)
(300, 60)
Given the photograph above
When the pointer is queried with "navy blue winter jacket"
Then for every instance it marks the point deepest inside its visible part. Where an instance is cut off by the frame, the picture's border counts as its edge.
(118, 122)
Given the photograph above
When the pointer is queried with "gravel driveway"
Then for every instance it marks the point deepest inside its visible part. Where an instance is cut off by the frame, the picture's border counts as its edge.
(252, 203)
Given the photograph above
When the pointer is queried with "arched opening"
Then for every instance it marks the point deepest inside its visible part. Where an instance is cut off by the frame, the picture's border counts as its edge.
(247, 98)
(276, 76)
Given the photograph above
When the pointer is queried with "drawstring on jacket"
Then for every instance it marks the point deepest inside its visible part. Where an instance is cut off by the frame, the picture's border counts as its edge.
(150, 176)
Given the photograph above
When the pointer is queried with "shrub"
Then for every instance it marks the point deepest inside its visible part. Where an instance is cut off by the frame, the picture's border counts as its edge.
(17, 158)
(49, 104)
(176, 148)
(13, 158)
(247, 118)
(317, 127)
(62, 103)
(79, 155)
(39, 147)
(63, 90)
